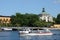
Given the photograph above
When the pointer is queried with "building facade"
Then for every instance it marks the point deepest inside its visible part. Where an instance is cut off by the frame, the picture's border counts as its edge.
(45, 16)
(56, 26)
(5, 19)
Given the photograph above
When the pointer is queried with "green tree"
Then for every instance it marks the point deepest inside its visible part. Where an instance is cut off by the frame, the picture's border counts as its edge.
(58, 19)
(13, 20)
(30, 20)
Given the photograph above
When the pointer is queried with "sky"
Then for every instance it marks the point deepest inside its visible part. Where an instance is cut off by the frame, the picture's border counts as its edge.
(10, 7)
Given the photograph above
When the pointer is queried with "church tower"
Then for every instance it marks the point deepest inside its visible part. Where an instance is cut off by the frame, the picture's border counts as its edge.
(45, 16)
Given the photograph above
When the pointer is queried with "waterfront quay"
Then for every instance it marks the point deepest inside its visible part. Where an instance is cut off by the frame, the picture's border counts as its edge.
(18, 28)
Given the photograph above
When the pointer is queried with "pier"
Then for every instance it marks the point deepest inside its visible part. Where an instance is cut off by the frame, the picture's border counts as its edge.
(18, 28)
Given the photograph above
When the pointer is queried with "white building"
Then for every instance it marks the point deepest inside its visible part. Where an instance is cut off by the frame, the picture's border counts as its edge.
(45, 16)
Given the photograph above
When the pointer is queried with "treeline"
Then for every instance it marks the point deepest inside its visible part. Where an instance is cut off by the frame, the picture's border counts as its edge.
(28, 20)
(57, 19)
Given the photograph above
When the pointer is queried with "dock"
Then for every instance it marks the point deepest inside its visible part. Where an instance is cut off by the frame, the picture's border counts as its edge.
(18, 28)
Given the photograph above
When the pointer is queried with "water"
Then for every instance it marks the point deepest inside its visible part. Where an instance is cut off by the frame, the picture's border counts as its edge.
(13, 35)
(9, 35)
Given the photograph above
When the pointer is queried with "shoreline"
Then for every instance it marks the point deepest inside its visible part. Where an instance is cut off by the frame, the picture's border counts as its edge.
(16, 28)
(54, 28)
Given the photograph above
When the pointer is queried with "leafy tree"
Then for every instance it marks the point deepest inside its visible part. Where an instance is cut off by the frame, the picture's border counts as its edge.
(13, 20)
(58, 19)
(24, 19)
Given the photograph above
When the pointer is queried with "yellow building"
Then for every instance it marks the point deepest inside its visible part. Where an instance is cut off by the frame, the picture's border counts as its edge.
(56, 26)
(5, 19)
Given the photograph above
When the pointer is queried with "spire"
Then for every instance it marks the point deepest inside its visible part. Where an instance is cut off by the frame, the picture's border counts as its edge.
(43, 10)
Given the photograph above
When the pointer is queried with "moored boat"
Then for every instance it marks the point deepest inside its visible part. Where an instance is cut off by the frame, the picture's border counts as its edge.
(7, 29)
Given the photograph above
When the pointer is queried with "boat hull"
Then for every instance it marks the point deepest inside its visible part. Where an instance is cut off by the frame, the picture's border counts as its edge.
(33, 34)
(6, 29)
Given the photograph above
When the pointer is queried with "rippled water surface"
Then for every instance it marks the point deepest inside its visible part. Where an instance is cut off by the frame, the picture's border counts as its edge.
(14, 35)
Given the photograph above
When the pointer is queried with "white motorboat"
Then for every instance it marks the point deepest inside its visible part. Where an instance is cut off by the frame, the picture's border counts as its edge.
(35, 32)
(6, 29)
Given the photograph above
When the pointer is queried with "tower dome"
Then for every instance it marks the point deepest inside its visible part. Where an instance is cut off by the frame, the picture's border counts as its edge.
(43, 11)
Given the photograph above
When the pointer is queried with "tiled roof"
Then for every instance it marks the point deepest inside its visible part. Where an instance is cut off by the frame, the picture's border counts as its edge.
(4, 16)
